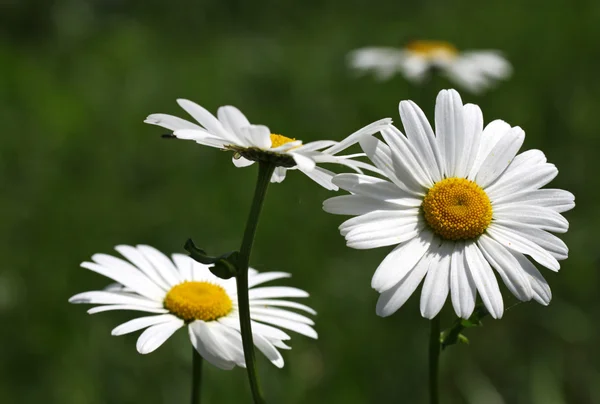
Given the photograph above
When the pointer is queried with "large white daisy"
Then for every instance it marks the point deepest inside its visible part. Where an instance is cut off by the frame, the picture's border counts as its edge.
(184, 293)
(231, 130)
(474, 71)
(457, 203)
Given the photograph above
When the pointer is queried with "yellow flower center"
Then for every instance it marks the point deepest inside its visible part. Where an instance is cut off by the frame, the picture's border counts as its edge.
(432, 49)
(456, 208)
(279, 140)
(198, 301)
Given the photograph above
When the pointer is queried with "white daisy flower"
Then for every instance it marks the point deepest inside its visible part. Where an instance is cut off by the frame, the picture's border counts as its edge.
(475, 71)
(231, 130)
(457, 204)
(184, 293)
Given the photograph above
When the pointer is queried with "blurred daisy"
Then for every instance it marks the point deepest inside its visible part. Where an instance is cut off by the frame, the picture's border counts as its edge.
(184, 293)
(475, 71)
(456, 203)
(231, 130)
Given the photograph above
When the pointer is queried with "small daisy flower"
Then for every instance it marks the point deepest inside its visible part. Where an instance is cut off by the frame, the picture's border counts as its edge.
(475, 71)
(184, 293)
(456, 204)
(231, 130)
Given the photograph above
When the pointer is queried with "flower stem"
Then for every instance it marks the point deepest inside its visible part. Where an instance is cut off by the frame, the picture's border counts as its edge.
(196, 376)
(434, 356)
(265, 171)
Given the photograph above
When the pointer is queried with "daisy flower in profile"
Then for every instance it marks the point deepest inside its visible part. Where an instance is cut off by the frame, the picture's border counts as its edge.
(184, 293)
(231, 130)
(456, 203)
(475, 71)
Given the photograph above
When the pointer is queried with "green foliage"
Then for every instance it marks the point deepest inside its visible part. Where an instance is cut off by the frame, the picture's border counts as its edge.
(81, 173)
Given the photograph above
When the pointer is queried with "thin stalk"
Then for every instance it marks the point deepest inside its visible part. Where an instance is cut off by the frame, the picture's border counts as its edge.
(196, 376)
(434, 360)
(265, 170)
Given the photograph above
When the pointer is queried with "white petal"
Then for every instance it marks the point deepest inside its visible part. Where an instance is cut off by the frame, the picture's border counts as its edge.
(392, 299)
(538, 216)
(142, 322)
(473, 121)
(208, 120)
(263, 329)
(162, 263)
(522, 180)
(232, 119)
(280, 313)
(354, 138)
(514, 241)
(380, 154)
(258, 136)
(500, 156)
(437, 283)
(400, 261)
(450, 129)
(322, 177)
(170, 122)
(355, 205)
(541, 289)
(240, 161)
(101, 297)
(489, 137)
(304, 162)
(549, 242)
(279, 174)
(300, 328)
(405, 158)
(132, 307)
(282, 303)
(462, 286)
(507, 267)
(268, 350)
(202, 137)
(156, 335)
(379, 220)
(208, 346)
(129, 277)
(484, 279)
(276, 291)
(138, 259)
(555, 199)
(184, 265)
(420, 134)
(377, 188)
(266, 277)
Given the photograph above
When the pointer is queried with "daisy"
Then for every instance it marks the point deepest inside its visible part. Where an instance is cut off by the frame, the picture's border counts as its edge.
(456, 204)
(231, 130)
(184, 293)
(475, 71)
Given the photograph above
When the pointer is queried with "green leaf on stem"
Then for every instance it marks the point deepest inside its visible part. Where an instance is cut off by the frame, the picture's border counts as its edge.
(223, 266)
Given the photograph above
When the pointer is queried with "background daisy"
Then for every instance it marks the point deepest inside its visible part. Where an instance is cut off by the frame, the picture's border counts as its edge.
(184, 293)
(456, 203)
(474, 71)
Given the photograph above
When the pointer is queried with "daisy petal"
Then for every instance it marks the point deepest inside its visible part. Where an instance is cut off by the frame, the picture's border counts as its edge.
(484, 279)
(500, 156)
(276, 291)
(266, 277)
(437, 282)
(257, 136)
(208, 346)
(355, 205)
(473, 121)
(153, 337)
(170, 122)
(142, 322)
(206, 119)
(450, 129)
(462, 286)
(305, 163)
(282, 303)
(268, 350)
(541, 290)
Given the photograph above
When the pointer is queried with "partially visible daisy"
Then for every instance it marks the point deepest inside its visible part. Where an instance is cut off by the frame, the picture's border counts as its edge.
(184, 293)
(457, 203)
(475, 71)
(231, 130)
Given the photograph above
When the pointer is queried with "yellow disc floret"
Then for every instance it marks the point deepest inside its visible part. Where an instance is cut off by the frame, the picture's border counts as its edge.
(198, 301)
(432, 49)
(279, 140)
(456, 208)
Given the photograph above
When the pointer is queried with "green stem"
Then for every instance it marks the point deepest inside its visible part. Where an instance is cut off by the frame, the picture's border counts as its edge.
(434, 356)
(196, 376)
(265, 171)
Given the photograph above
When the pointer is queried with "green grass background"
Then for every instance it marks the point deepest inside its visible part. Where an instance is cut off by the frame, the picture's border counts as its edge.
(80, 173)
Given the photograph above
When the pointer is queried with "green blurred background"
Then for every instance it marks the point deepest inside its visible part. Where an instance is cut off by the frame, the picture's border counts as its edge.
(81, 173)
